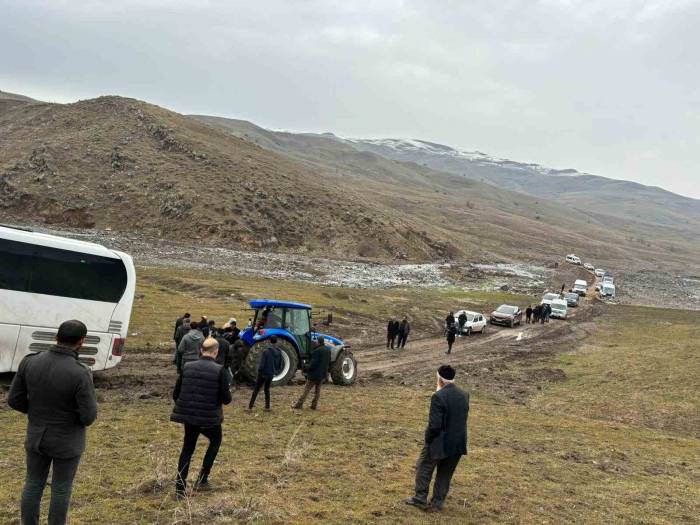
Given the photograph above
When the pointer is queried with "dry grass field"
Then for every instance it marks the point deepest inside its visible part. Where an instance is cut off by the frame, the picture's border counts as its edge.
(614, 438)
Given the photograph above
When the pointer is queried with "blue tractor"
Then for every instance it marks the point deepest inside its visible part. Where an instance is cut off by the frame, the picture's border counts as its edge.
(291, 323)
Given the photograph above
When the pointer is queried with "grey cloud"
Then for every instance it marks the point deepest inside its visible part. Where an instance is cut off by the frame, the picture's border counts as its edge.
(607, 87)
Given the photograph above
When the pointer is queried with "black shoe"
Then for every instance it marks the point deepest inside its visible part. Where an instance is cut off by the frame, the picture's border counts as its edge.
(423, 505)
(202, 486)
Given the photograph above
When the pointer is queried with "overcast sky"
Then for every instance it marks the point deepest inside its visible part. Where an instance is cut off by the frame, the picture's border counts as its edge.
(611, 87)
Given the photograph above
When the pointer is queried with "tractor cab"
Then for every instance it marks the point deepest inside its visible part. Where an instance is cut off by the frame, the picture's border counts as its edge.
(291, 318)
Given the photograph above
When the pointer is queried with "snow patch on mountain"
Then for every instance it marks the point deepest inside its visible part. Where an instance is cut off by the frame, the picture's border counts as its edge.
(415, 146)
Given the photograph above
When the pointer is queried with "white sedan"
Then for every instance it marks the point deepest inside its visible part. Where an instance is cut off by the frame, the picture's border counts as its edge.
(475, 322)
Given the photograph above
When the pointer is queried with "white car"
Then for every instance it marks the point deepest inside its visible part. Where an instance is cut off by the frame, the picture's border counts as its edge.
(599, 272)
(580, 287)
(559, 309)
(573, 259)
(549, 298)
(607, 290)
(608, 279)
(589, 267)
(475, 323)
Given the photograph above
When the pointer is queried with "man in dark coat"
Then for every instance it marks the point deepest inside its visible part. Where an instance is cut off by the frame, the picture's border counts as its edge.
(181, 330)
(178, 323)
(445, 441)
(449, 320)
(404, 330)
(224, 356)
(528, 314)
(316, 373)
(238, 355)
(392, 330)
(462, 320)
(536, 313)
(450, 336)
(200, 392)
(56, 392)
(270, 365)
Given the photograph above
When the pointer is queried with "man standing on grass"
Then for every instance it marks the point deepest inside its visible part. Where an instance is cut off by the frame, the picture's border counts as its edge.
(189, 347)
(392, 330)
(201, 390)
(55, 390)
(316, 373)
(404, 330)
(270, 365)
(445, 441)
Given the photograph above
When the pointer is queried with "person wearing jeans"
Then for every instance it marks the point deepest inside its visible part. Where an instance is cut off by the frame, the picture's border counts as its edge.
(270, 365)
(56, 392)
(200, 393)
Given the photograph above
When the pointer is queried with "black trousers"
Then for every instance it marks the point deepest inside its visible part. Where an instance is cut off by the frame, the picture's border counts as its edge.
(61, 487)
(424, 474)
(402, 340)
(390, 339)
(262, 381)
(192, 432)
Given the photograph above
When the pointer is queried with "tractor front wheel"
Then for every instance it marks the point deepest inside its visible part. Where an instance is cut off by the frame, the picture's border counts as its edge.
(344, 369)
(290, 361)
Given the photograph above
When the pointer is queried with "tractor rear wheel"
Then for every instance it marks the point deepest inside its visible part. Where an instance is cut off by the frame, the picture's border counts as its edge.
(344, 369)
(290, 361)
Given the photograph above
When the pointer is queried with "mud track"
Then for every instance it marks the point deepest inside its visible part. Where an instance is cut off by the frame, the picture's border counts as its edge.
(505, 362)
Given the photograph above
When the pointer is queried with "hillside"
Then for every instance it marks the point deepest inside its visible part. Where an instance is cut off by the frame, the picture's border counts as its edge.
(4, 95)
(601, 218)
(120, 163)
(128, 165)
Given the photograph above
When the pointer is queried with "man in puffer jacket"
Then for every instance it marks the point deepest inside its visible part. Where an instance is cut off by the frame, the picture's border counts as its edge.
(200, 392)
(270, 365)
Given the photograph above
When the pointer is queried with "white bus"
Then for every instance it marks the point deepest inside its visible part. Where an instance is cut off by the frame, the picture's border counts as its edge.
(45, 280)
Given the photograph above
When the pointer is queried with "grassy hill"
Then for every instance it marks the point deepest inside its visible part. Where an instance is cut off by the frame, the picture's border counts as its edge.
(128, 165)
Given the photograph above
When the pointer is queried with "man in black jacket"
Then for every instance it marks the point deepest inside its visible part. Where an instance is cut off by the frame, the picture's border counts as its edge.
(270, 365)
(178, 323)
(55, 390)
(316, 373)
(392, 330)
(404, 330)
(200, 392)
(445, 441)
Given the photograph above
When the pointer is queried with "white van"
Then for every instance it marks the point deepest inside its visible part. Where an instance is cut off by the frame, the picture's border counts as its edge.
(580, 287)
(573, 259)
(559, 309)
(607, 290)
(45, 280)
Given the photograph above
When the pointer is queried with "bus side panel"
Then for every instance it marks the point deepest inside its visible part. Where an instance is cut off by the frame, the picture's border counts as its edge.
(8, 342)
(122, 312)
(33, 309)
(94, 352)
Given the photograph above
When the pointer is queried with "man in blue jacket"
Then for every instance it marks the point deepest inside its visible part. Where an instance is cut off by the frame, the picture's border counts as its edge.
(270, 365)
(445, 441)
(200, 392)
(55, 390)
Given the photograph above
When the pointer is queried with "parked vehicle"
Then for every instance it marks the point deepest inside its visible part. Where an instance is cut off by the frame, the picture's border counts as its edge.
(608, 279)
(573, 259)
(291, 323)
(607, 290)
(507, 315)
(589, 267)
(476, 322)
(599, 272)
(45, 280)
(559, 309)
(549, 297)
(571, 298)
(580, 287)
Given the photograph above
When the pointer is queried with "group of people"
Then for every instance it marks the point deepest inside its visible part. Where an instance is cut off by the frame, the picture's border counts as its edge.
(56, 392)
(539, 314)
(397, 332)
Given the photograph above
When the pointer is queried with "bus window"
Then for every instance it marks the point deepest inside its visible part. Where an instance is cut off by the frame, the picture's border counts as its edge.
(51, 271)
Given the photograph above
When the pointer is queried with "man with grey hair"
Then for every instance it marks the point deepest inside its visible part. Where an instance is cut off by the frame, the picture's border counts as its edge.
(445, 441)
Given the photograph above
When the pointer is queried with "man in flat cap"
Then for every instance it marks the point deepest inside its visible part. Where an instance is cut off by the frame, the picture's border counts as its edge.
(445, 441)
